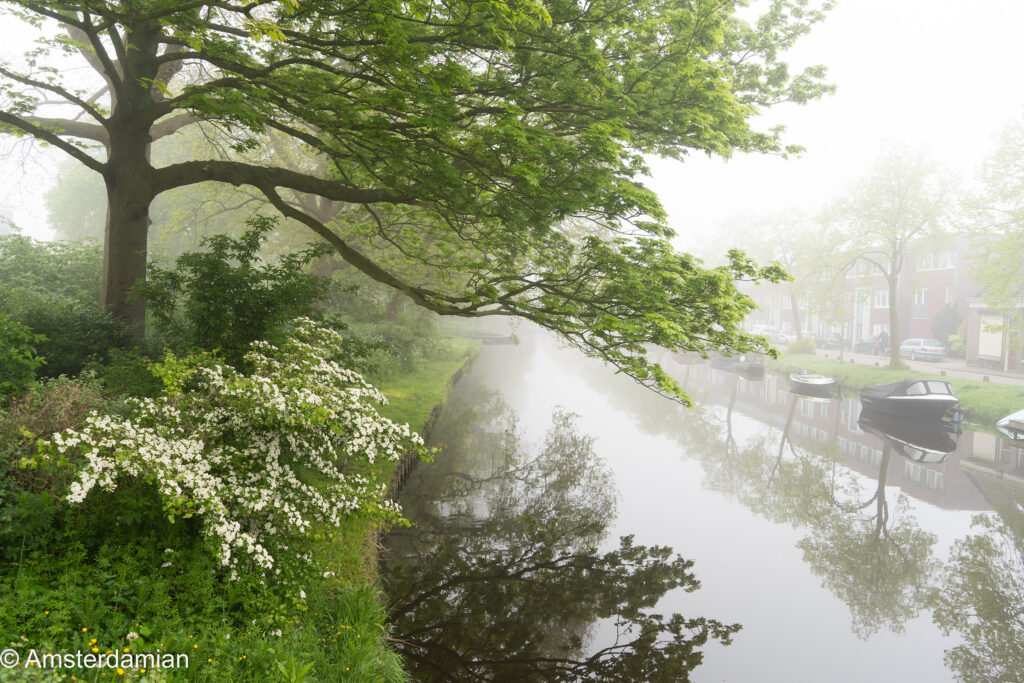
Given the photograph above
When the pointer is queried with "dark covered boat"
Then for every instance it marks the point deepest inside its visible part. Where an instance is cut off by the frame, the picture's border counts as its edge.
(914, 398)
(749, 365)
(920, 440)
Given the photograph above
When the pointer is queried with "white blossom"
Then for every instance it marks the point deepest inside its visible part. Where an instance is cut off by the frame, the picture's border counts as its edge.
(241, 451)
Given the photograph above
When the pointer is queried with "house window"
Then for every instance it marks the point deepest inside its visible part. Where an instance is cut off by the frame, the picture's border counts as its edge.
(921, 297)
(950, 294)
(925, 261)
(882, 298)
(946, 258)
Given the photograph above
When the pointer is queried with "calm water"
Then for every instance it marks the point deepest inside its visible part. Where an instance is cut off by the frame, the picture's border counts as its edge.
(822, 551)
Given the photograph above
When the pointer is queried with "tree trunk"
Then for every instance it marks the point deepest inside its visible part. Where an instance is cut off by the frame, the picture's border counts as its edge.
(394, 306)
(894, 316)
(794, 302)
(129, 195)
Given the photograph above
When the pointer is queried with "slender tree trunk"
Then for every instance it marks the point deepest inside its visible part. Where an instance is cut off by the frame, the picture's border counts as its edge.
(881, 510)
(794, 302)
(894, 315)
(129, 195)
(394, 306)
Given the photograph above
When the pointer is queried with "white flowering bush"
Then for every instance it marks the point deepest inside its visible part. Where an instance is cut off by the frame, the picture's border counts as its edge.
(257, 456)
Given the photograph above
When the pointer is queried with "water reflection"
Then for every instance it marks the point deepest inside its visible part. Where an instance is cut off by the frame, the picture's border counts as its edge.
(982, 597)
(501, 579)
(861, 539)
(860, 508)
(921, 441)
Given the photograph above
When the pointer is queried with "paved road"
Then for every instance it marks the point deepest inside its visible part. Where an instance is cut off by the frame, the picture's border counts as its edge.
(953, 367)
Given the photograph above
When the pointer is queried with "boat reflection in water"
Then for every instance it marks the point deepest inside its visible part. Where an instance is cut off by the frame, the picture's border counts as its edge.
(920, 440)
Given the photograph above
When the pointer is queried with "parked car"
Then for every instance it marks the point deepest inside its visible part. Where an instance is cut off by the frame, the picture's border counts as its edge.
(830, 341)
(775, 337)
(923, 349)
(870, 345)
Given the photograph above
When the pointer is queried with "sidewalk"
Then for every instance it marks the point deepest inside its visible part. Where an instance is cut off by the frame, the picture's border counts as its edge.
(952, 367)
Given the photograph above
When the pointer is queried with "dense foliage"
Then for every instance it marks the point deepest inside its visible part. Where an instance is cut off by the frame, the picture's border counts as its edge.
(203, 519)
(256, 457)
(18, 358)
(225, 296)
(53, 289)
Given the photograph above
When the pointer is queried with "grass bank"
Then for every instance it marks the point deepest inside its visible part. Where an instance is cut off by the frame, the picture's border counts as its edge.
(353, 548)
(984, 402)
(411, 396)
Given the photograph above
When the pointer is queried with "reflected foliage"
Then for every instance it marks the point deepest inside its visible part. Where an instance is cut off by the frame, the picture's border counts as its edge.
(982, 597)
(501, 578)
(870, 552)
(873, 556)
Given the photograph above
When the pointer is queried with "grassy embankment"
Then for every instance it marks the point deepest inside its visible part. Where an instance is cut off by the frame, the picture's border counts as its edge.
(353, 550)
(983, 401)
(411, 397)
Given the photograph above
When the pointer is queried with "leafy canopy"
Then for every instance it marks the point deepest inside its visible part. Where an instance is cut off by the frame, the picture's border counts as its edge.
(459, 136)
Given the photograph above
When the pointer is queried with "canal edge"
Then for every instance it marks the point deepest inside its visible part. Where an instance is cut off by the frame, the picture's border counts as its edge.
(408, 461)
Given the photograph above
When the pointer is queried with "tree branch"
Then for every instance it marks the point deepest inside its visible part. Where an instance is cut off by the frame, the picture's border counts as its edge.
(71, 128)
(55, 89)
(421, 296)
(91, 48)
(47, 136)
(239, 173)
(172, 125)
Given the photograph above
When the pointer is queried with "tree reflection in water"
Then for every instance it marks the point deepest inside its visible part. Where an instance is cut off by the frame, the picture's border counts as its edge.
(982, 597)
(501, 579)
(864, 543)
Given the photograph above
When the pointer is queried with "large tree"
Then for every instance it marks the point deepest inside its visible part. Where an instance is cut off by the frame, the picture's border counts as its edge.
(464, 132)
(898, 206)
(994, 220)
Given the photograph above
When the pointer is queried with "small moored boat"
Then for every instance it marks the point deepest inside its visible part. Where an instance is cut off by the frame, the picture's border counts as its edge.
(1012, 425)
(915, 398)
(804, 382)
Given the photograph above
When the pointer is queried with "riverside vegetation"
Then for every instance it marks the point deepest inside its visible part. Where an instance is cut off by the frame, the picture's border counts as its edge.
(160, 497)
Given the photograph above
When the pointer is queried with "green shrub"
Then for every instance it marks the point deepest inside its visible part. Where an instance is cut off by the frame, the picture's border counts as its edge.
(18, 359)
(76, 332)
(53, 289)
(225, 298)
(126, 372)
(256, 457)
(802, 345)
(381, 350)
(68, 270)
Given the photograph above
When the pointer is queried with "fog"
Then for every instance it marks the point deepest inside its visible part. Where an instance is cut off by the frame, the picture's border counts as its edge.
(942, 74)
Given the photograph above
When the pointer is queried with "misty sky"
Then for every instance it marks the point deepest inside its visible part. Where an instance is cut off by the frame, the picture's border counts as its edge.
(941, 73)
(945, 74)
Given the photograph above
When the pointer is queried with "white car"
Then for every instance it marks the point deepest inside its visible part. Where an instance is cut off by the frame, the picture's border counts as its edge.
(923, 349)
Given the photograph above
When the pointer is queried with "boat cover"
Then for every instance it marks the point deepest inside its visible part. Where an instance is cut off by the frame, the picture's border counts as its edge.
(893, 388)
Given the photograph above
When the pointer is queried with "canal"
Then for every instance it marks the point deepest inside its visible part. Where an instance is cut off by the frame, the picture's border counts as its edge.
(579, 527)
